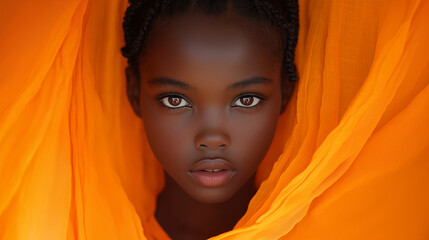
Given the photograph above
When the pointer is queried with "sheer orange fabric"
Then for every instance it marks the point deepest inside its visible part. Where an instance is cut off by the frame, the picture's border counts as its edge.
(351, 153)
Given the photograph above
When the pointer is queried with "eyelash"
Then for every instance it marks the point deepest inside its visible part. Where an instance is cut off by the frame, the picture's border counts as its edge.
(161, 96)
(172, 94)
(256, 95)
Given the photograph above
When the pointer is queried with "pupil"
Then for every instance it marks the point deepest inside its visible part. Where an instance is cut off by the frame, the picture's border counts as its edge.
(246, 100)
(174, 101)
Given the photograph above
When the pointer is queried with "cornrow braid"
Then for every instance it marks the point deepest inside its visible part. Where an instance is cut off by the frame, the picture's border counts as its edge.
(129, 31)
(291, 26)
(135, 39)
(283, 14)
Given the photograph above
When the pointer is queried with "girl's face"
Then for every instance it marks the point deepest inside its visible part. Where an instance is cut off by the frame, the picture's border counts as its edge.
(210, 98)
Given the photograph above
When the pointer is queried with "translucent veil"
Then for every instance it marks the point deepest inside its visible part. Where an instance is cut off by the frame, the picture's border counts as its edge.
(350, 159)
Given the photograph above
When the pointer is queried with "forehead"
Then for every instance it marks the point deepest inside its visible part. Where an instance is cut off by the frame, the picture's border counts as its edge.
(196, 43)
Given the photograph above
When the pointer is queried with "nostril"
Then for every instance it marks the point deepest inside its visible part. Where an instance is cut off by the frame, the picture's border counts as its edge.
(212, 147)
(211, 141)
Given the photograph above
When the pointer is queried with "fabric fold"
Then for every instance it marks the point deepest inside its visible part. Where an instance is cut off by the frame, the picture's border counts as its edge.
(349, 159)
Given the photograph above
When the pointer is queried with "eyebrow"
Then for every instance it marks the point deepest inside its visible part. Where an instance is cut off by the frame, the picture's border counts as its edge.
(164, 81)
(250, 81)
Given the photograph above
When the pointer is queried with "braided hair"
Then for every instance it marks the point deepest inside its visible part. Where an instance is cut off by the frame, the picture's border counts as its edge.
(282, 14)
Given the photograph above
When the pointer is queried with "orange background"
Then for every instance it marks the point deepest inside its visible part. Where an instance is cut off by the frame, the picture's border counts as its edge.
(351, 153)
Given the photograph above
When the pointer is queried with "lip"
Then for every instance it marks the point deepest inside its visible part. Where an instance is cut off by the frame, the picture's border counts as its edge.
(212, 172)
(211, 164)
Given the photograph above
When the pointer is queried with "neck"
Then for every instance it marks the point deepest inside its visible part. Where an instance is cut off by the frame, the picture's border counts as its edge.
(184, 218)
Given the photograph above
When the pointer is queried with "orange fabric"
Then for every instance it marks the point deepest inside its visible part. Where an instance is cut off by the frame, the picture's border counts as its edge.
(351, 152)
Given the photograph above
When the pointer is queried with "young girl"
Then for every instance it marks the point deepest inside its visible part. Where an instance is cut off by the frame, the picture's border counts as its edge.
(209, 80)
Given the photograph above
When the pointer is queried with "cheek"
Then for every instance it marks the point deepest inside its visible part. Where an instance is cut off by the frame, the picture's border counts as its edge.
(168, 137)
(252, 136)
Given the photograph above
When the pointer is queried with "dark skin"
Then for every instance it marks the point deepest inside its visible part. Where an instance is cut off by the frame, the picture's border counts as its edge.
(207, 87)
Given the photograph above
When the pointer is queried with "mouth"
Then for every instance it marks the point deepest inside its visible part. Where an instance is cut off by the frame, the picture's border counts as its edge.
(212, 172)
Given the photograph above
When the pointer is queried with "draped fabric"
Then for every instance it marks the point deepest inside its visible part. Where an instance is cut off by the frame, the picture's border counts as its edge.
(350, 159)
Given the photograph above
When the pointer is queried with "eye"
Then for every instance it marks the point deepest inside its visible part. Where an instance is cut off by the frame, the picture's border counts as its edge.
(175, 102)
(247, 101)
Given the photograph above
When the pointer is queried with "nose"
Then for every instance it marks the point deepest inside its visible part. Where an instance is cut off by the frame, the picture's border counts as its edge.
(212, 134)
(212, 141)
